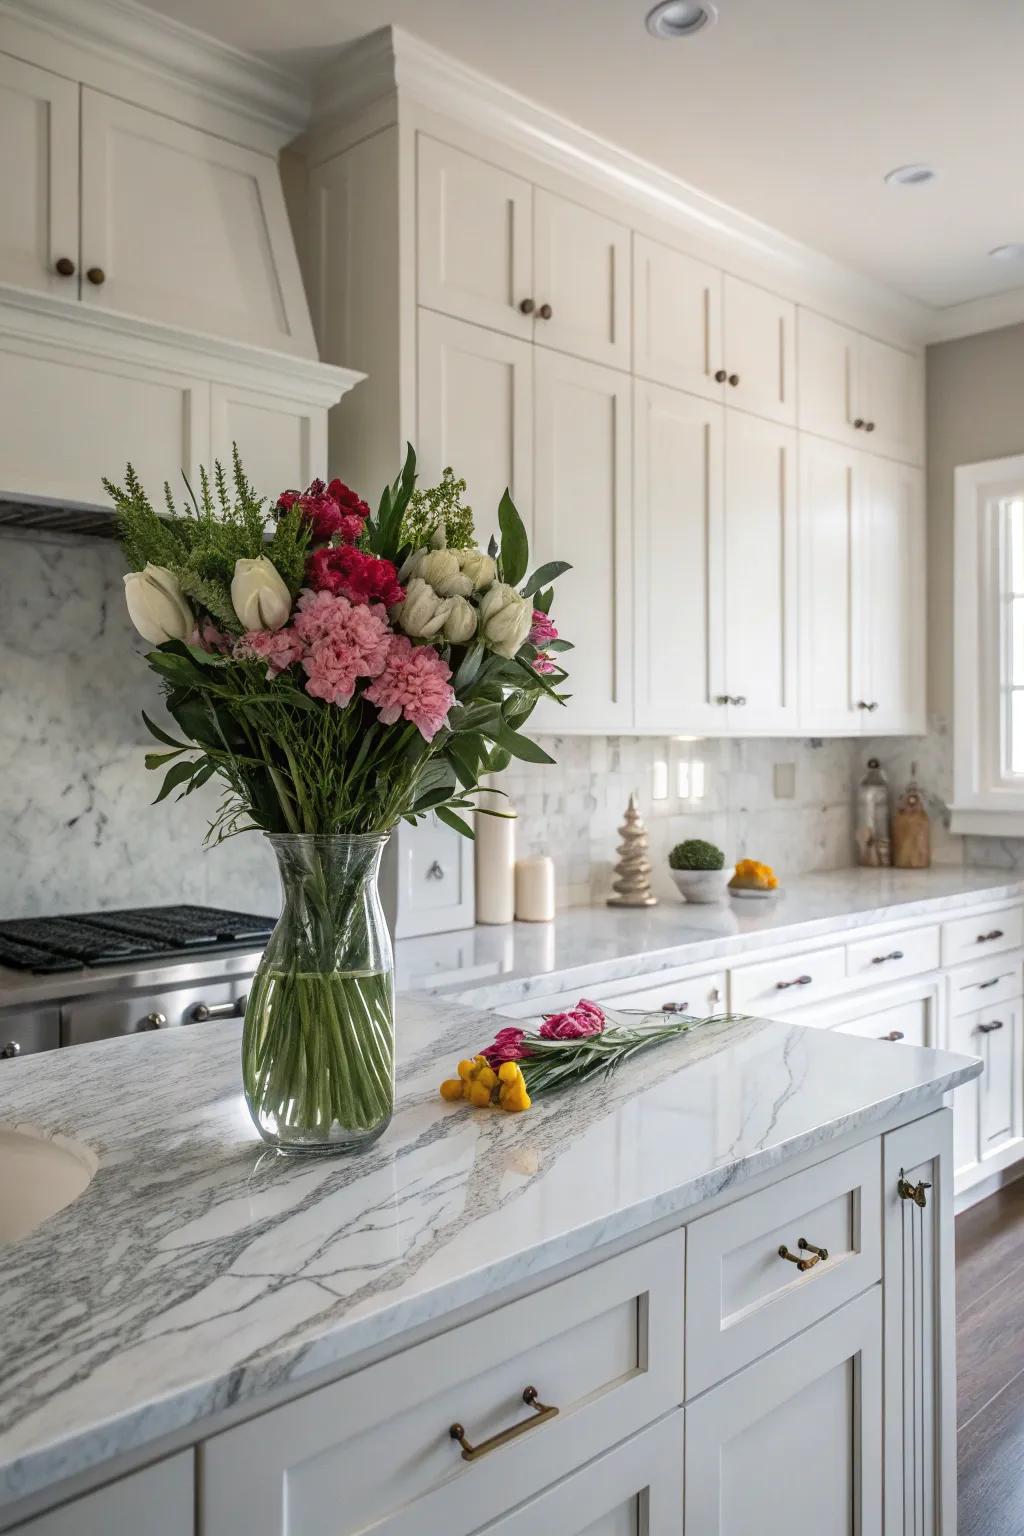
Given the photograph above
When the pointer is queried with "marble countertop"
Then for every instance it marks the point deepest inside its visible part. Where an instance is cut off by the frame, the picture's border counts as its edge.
(587, 945)
(198, 1271)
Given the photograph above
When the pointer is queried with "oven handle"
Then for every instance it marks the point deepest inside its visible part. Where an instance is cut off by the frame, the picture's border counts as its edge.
(203, 1011)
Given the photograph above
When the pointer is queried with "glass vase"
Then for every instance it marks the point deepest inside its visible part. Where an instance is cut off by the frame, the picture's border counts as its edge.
(318, 1045)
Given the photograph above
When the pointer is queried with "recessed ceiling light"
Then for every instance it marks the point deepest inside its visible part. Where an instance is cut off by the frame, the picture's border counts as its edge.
(910, 175)
(1012, 252)
(680, 18)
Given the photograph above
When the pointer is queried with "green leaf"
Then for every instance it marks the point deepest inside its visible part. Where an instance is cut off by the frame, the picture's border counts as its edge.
(543, 600)
(453, 820)
(520, 746)
(545, 573)
(173, 777)
(469, 668)
(515, 547)
(558, 645)
(157, 759)
(160, 734)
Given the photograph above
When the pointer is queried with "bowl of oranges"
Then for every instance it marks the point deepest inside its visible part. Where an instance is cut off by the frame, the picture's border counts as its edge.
(754, 879)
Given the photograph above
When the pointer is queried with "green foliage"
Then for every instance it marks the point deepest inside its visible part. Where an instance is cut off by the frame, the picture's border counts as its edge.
(439, 506)
(201, 542)
(695, 853)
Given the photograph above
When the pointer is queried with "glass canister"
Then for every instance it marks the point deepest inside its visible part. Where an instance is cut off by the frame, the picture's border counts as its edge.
(872, 830)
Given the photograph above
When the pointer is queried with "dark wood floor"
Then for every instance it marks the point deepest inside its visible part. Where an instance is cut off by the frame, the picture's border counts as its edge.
(990, 1364)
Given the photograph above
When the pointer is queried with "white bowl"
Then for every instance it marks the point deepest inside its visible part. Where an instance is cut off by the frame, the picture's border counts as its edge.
(702, 886)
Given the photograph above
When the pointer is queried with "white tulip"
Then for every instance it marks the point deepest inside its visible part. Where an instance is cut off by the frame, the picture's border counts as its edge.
(505, 618)
(440, 567)
(157, 605)
(480, 568)
(410, 566)
(460, 625)
(423, 614)
(259, 596)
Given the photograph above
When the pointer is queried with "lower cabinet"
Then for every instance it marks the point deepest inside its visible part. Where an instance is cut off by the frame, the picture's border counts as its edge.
(794, 1442)
(158, 1501)
(989, 1112)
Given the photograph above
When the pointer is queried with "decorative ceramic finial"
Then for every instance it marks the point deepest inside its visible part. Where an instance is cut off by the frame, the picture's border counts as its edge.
(632, 882)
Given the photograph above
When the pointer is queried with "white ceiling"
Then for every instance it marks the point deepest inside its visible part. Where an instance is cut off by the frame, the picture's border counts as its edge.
(789, 110)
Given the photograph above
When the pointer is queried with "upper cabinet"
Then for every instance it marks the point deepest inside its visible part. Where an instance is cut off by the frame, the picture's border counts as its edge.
(182, 227)
(495, 250)
(860, 391)
(38, 177)
(890, 559)
(759, 346)
(677, 320)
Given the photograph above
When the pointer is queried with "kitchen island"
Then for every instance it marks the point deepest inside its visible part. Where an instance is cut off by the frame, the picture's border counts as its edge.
(618, 1248)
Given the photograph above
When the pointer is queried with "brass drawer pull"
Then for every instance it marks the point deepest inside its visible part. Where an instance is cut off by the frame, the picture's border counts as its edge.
(894, 954)
(798, 981)
(804, 1264)
(542, 1413)
(894, 1034)
(675, 1007)
(990, 1029)
(915, 1192)
(986, 938)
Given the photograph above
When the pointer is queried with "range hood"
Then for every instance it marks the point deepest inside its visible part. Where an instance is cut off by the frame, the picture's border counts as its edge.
(40, 514)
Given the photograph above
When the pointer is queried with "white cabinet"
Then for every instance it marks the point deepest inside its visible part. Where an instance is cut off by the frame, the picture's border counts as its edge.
(38, 178)
(831, 520)
(158, 1501)
(678, 509)
(180, 226)
(988, 1114)
(859, 391)
(581, 280)
(759, 346)
(677, 320)
(760, 571)
(475, 402)
(919, 1331)
(582, 513)
(283, 443)
(889, 561)
(794, 1442)
(475, 238)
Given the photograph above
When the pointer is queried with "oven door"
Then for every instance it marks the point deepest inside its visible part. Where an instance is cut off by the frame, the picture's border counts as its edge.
(134, 1012)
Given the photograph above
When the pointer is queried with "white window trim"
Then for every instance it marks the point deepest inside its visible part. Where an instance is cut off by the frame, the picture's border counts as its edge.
(983, 803)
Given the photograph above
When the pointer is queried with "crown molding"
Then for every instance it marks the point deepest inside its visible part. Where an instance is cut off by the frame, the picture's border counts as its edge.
(70, 326)
(392, 60)
(993, 313)
(125, 32)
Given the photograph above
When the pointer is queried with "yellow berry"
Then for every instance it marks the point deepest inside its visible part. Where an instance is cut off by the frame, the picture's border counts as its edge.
(479, 1095)
(452, 1089)
(516, 1100)
(487, 1076)
(466, 1070)
(509, 1072)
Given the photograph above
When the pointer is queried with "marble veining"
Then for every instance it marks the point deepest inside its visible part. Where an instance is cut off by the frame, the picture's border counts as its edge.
(588, 946)
(198, 1271)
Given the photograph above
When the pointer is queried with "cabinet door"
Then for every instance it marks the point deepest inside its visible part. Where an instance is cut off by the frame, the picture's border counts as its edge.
(38, 177)
(160, 1501)
(582, 514)
(283, 443)
(677, 498)
(581, 272)
(760, 574)
(827, 358)
(891, 400)
(996, 1038)
(759, 343)
(635, 1490)
(794, 1442)
(830, 518)
(890, 557)
(475, 413)
(919, 1330)
(677, 319)
(187, 229)
(475, 241)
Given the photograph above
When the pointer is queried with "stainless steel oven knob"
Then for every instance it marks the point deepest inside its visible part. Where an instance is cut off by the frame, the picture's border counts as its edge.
(153, 1021)
(11, 1049)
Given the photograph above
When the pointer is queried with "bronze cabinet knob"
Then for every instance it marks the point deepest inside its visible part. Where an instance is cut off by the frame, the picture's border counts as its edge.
(734, 379)
(858, 423)
(869, 426)
(545, 312)
(65, 266)
(721, 376)
(96, 276)
(527, 306)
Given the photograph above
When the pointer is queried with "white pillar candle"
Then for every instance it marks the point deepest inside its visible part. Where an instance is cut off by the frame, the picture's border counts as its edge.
(495, 860)
(535, 889)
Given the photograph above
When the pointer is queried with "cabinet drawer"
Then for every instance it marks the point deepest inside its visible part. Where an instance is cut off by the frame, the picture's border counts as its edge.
(374, 1451)
(743, 1297)
(897, 954)
(974, 938)
(698, 995)
(789, 983)
(979, 986)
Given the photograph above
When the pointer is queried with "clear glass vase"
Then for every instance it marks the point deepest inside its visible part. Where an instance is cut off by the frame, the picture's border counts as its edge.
(318, 1046)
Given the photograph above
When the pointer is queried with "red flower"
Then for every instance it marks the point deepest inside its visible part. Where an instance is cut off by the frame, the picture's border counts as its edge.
(323, 517)
(331, 510)
(508, 1046)
(287, 500)
(360, 577)
(585, 1019)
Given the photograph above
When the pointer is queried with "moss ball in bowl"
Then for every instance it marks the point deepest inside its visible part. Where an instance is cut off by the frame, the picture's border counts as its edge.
(698, 869)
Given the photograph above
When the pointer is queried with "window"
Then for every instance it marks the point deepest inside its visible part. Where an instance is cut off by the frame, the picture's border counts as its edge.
(988, 724)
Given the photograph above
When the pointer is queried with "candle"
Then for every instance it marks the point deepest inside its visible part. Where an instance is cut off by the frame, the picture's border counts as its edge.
(535, 889)
(495, 860)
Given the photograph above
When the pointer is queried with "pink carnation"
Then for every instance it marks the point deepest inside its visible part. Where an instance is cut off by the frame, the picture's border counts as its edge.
(345, 641)
(279, 648)
(542, 662)
(542, 629)
(413, 686)
(585, 1019)
(508, 1046)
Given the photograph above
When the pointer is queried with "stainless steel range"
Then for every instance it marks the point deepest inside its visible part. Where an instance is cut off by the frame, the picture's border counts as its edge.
(67, 980)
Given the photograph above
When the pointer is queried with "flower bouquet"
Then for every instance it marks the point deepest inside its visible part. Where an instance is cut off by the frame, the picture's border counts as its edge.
(336, 670)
